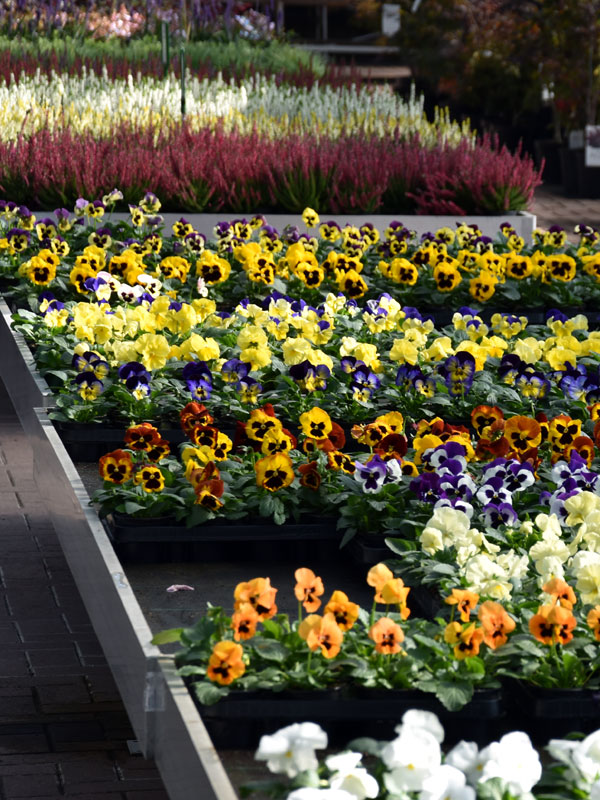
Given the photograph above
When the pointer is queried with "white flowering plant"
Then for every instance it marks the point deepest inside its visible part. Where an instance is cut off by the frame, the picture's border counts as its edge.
(414, 766)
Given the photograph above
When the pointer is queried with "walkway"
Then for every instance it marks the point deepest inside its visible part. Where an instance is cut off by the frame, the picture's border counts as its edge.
(63, 729)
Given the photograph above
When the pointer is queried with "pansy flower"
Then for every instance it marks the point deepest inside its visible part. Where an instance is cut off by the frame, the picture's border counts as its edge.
(316, 423)
(234, 370)
(150, 478)
(496, 624)
(553, 624)
(274, 472)
(371, 476)
(226, 663)
(496, 514)
(89, 387)
(260, 421)
(243, 622)
(322, 633)
(142, 437)
(308, 589)
(260, 594)
(522, 433)
(458, 371)
(344, 611)
(465, 602)
(338, 461)
(194, 414)
(387, 635)
(116, 467)
(310, 476)
(466, 639)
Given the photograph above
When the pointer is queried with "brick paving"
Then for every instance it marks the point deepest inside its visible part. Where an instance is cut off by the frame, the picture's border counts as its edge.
(63, 728)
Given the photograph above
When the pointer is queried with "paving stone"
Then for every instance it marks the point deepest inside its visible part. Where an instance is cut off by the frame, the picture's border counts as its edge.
(31, 786)
(80, 732)
(92, 767)
(53, 657)
(23, 743)
(73, 692)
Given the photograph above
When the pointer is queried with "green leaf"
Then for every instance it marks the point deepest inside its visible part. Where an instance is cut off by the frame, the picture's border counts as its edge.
(132, 508)
(209, 694)
(269, 649)
(454, 695)
(167, 636)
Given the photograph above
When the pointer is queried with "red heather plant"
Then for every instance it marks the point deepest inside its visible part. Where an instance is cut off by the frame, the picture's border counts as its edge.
(232, 172)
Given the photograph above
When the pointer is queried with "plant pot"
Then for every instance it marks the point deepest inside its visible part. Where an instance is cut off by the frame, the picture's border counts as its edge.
(163, 539)
(541, 712)
(240, 718)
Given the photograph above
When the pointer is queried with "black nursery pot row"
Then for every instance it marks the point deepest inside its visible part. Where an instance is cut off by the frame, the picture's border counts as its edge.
(238, 720)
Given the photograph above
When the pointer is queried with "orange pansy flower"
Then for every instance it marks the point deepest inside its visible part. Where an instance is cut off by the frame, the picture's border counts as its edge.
(466, 640)
(496, 624)
(387, 636)
(395, 592)
(322, 632)
(344, 611)
(484, 416)
(308, 589)
(244, 622)
(142, 437)
(561, 590)
(377, 577)
(225, 663)
(260, 594)
(552, 624)
(464, 600)
(593, 621)
(522, 433)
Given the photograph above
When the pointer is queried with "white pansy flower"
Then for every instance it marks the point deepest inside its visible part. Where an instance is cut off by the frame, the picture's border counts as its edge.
(411, 758)
(415, 719)
(446, 783)
(486, 577)
(466, 757)
(514, 760)
(292, 749)
(350, 777)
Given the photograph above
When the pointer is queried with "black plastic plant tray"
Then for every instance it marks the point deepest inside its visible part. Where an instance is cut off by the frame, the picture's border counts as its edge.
(157, 540)
(240, 719)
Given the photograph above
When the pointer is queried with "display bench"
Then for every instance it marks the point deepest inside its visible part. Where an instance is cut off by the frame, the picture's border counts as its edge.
(523, 222)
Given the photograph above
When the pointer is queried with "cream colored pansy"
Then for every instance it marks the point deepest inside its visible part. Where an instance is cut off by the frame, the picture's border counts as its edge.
(122, 352)
(252, 336)
(585, 568)
(548, 524)
(334, 303)
(580, 506)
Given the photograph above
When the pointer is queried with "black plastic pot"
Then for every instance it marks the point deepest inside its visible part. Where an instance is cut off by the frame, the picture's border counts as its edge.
(166, 540)
(552, 713)
(240, 719)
